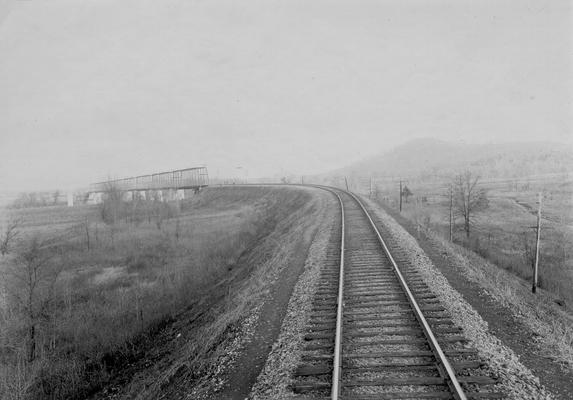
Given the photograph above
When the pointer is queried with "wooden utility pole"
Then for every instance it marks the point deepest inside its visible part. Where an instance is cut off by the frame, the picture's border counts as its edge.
(400, 195)
(370, 187)
(451, 212)
(346, 183)
(536, 267)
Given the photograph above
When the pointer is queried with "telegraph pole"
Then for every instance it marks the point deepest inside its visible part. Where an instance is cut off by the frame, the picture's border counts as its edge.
(370, 187)
(451, 212)
(536, 268)
(400, 194)
(346, 183)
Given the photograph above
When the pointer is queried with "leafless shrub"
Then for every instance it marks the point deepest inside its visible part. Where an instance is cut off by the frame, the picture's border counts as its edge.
(469, 198)
(422, 218)
(30, 199)
(11, 232)
(33, 276)
(86, 226)
(113, 204)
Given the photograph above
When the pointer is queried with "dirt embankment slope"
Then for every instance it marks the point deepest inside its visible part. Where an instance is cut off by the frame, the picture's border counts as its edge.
(217, 347)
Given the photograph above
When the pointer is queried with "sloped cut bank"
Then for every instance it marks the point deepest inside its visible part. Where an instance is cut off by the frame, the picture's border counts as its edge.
(301, 246)
(274, 380)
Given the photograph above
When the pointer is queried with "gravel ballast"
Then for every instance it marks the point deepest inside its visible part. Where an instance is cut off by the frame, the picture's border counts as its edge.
(278, 278)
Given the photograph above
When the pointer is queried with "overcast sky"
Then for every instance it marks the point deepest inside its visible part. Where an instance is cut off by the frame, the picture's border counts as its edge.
(90, 88)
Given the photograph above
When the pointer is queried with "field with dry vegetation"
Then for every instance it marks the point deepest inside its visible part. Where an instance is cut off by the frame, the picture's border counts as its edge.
(504, 232)
(84, 289)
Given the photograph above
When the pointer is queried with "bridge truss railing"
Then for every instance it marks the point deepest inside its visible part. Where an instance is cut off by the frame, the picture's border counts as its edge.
(189, 178)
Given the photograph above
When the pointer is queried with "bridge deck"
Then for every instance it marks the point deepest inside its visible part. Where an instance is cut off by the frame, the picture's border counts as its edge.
(190, 178)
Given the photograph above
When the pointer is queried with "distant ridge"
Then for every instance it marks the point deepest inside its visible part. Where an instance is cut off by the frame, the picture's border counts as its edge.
(429, 156)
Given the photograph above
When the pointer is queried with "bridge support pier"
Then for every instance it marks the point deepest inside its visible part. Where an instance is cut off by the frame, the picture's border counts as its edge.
(169, 195)
(95, 198)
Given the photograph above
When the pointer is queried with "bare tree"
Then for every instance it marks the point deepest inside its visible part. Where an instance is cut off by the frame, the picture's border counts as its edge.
(113, 204)
(9, 235)
(451, 212)
(406, 192)
(469, 198)
(422, 218)
(32, 277)
(177, 228)
(84, 228)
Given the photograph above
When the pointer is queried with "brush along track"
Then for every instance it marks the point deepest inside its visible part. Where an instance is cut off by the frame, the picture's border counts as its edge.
(394, 339)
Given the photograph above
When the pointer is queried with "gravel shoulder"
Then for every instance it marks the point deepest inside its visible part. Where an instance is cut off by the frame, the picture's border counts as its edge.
(284, 357)
(270, 316)
(254, 351)
(520, 343)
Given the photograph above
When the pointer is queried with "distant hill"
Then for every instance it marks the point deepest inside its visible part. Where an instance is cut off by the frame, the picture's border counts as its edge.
(432, 157)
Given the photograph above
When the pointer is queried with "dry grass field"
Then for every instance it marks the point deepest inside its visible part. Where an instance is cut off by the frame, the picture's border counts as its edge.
(80, 295)
(504, 233)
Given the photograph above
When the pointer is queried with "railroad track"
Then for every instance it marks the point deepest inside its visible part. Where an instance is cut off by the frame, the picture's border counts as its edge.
(376, 330)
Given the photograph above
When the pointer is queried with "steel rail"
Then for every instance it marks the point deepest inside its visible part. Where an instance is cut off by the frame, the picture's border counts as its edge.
(337, 367)
(458, 391)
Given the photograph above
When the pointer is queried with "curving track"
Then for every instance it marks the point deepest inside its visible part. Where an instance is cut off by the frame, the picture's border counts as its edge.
(376, 330)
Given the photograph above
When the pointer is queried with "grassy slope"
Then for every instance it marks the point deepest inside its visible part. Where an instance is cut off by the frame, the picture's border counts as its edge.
(134, 279)
(552, 323)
